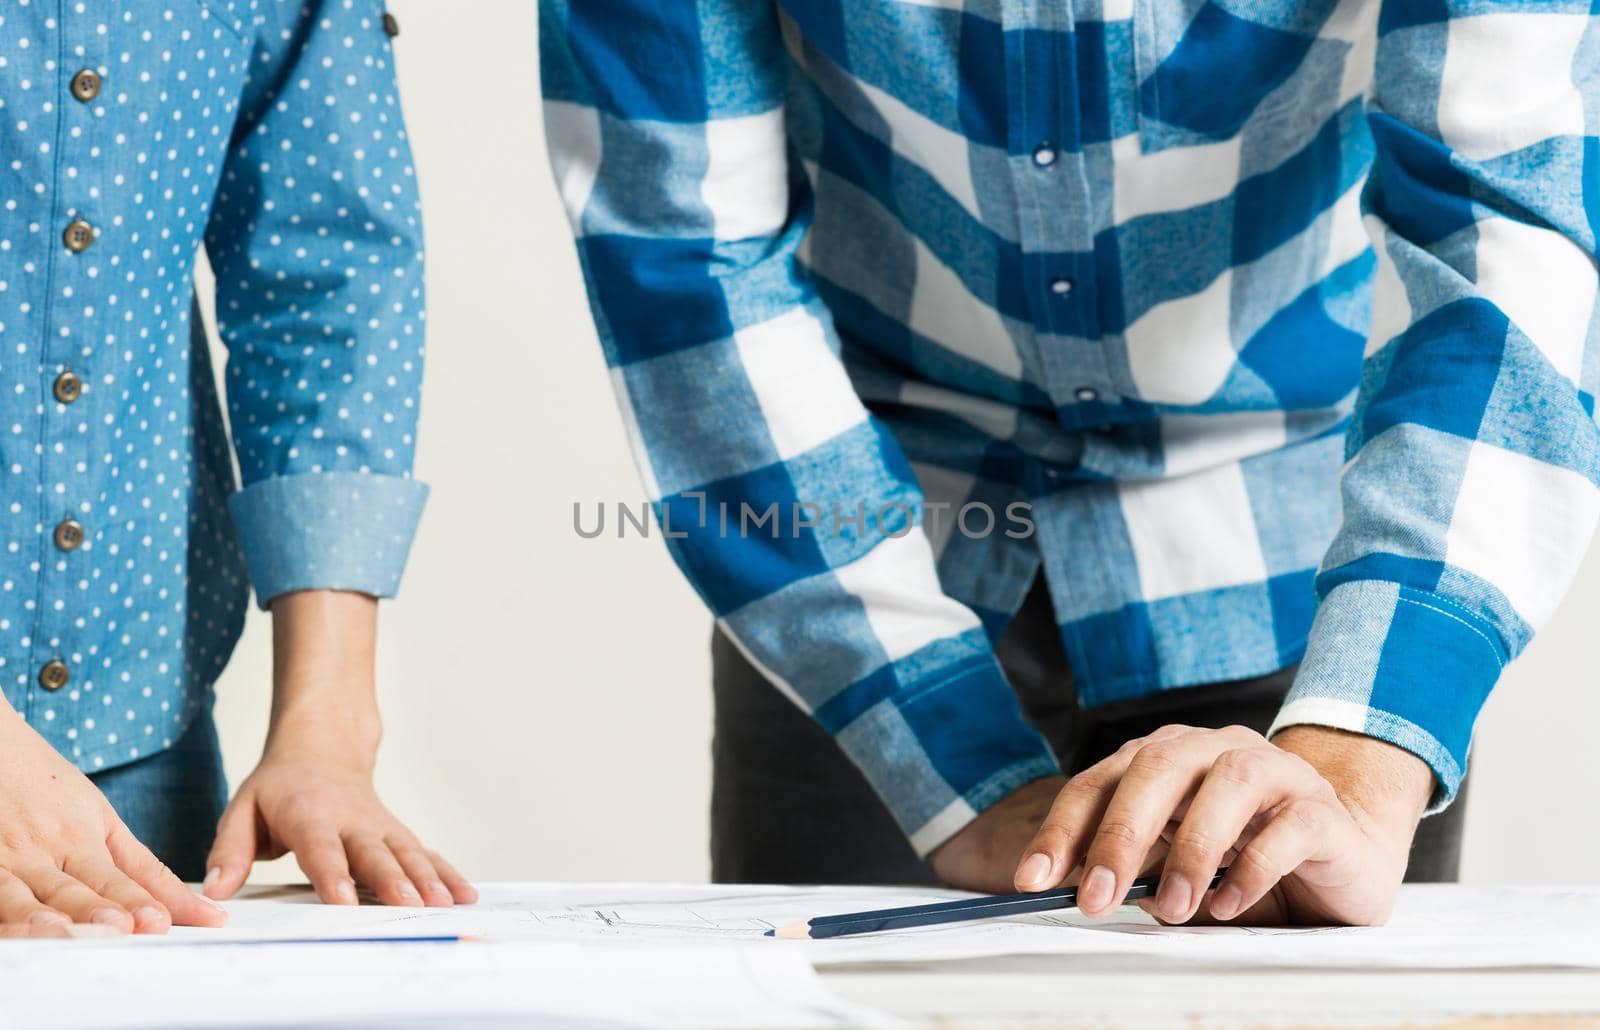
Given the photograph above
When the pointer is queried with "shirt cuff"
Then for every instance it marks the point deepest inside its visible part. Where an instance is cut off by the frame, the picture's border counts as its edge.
(1402, 665)
(328, 531)
(941, 752)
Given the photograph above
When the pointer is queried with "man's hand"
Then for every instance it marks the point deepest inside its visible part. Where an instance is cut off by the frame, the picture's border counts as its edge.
(984, 855)
(1315, 828)
(312, 793)
(66, 858)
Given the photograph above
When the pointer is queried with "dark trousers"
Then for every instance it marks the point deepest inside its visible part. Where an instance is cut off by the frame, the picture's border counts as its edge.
(787, 805)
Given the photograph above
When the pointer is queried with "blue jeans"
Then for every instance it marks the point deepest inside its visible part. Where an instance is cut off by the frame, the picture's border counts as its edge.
(172, 800)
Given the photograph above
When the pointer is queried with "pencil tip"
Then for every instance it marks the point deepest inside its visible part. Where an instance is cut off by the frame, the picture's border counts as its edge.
(793, 932)
(769, 933)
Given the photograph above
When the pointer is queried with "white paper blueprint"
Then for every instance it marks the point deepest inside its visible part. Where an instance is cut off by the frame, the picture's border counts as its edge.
(80, 985)
(667, 955)
(1432, 927)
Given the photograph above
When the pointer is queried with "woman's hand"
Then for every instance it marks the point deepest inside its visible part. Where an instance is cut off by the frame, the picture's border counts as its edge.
(311, 797)
(66, 858)
(312, 793)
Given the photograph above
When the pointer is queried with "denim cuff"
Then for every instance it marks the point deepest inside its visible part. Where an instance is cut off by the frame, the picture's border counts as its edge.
(328, 531)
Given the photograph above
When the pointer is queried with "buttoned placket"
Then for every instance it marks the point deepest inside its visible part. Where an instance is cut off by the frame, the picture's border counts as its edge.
(67, 392)
(1056, 209)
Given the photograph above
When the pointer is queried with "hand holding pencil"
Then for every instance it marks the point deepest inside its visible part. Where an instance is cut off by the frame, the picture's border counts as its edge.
(1310, 838)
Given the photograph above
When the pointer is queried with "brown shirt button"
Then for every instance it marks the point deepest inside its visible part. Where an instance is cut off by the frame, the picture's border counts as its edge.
(69, 535)
(78, 236)
(86, 85)
(68, 387)
(391, 26)
(54, 675)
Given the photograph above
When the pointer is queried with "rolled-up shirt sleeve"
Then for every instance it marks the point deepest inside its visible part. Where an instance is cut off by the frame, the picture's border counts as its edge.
(316, 242)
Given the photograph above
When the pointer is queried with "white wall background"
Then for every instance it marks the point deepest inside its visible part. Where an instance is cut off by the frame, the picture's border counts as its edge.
(547, 697)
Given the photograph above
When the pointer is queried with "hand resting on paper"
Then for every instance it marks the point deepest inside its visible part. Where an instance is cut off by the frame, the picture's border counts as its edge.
(1314, 825)
(65, 856)
(312, 793)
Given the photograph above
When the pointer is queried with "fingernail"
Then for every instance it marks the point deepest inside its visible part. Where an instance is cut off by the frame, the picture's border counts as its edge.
(212, 876)
(48, 919)
(1173, 897)
(1226, 903)
(106, 917)
(345, 892)
(405, 890)
(436, 889)
(1097, 889)
(147, 915)
(213, 905)
(92, 930)
(1035, 870)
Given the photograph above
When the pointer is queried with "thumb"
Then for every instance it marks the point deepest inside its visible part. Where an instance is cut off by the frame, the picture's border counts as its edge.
(234, 851)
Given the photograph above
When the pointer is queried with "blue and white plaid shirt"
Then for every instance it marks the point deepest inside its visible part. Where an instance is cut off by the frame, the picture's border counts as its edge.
(1107, 259)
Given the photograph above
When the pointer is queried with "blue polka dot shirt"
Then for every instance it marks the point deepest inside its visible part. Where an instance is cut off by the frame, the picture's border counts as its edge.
(270, 132)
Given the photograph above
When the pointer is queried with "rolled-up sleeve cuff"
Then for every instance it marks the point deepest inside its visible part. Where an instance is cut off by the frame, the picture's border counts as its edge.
(941, 752)
(1402, 665)
(328, 531)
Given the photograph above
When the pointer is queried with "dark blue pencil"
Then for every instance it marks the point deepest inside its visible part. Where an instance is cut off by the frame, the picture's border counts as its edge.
(964, 910)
